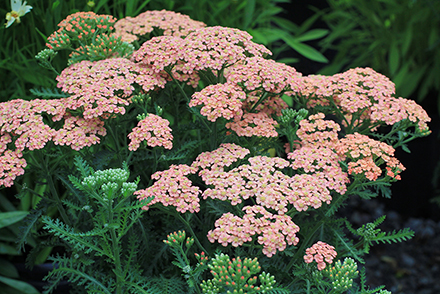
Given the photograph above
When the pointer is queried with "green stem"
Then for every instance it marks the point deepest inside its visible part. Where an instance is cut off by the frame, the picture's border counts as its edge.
(262, 98)
(301, 249)
(115, 246)
(192, 232)
(60, 206)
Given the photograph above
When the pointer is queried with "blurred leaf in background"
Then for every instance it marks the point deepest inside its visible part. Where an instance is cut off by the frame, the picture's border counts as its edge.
(400, 39)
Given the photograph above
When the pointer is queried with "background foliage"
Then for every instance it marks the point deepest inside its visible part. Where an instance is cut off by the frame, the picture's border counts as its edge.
(400, 39)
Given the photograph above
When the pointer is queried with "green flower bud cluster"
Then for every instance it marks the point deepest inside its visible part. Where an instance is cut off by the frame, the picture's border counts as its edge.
(342, 275)
(109, 181)
(236, 276)
(44, 58)
(175, 239)
(368, 231)
(141, 99)
(289, 115)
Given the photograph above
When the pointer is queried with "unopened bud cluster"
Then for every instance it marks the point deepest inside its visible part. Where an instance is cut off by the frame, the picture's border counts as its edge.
(289, 115)
(89, 36)
(342, 275)
(176, 238)
(110, 181)
(236, 276)
(44, 57)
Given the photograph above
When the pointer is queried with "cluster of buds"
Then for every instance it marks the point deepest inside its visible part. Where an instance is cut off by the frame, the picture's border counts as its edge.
(201, 258)
(236, 276)
(175, 238)
(342, 275)
(89, 36)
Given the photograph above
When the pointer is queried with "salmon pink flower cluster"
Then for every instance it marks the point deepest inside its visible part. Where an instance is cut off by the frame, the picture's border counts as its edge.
(104, 87)
(365, 155)
(154, 130)
(362, 96)
(173, 188)
(219, 100)
(276, 231)
(257, 73)
(171, 23)
(321, 253)
(210, 48)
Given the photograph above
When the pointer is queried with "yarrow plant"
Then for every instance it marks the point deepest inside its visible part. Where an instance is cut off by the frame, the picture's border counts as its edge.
(239, 161)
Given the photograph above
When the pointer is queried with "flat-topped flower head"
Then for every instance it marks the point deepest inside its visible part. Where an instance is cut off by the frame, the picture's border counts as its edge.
(323, 163)
(88, 37)
(263, 181)
(210, 48)
(257, 73)
(219, 47)
(171, 23)
(81, 26)
(160, 52)
(223, 156)
(321, 253)
(352, 91)
(219, 100)
(366, 155)
(23, 121)
(154, 130)
(393, 110)
(78, 132)
(11, 166)
(104, 87)
(274, 231)
(253, 124)
(315, 130)
(173, 188)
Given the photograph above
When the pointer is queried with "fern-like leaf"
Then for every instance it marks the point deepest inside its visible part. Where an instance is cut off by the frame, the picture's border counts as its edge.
(82, 167)
(30, 222)
(394, 236)
(48, 93)
(66, 268)
(82, 241)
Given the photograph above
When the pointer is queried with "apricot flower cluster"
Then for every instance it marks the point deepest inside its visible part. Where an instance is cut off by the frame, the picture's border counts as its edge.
(362, 96)
(321, 253)
(275, 231)
(171, 23)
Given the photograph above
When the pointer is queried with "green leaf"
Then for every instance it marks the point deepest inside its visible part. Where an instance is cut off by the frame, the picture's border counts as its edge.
(407, 40)
(288, 100)
(55, 5)
(285, 24)
(394, 58)
(9, 218)
(305, 50)
(249, 13)
(19, 285)
(8, 269)
(410, 81)
(288, 60)
(7, 249)
(258, 36)
(312, 35)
